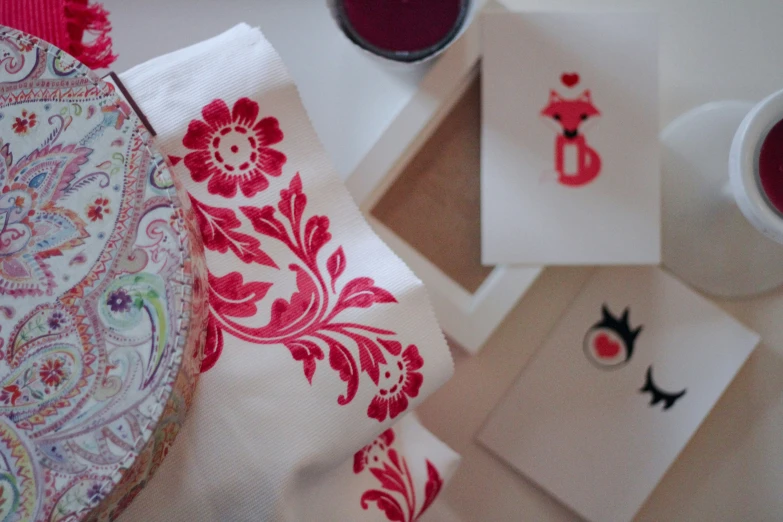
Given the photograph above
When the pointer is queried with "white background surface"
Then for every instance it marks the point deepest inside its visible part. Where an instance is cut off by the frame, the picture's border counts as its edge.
(732, 469)
(710, 50)
(350, 96)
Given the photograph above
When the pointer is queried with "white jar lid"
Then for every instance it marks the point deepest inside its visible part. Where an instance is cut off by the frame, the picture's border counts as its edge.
(743, 166)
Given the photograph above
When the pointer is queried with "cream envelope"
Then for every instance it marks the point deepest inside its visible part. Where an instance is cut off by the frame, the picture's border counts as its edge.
(624, 380)
(569, 159)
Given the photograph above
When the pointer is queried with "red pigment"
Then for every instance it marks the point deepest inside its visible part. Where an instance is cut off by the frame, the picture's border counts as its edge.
(402, 25)
(771, 166)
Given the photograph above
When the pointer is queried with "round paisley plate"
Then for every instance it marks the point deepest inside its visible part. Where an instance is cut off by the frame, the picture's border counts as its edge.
(100, 280)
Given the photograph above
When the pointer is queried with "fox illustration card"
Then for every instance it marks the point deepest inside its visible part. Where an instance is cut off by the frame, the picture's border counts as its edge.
(569, 147)
(616, 391)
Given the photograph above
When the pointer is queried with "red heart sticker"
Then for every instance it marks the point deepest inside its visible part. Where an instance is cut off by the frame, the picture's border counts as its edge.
(569, 79)
(605, 348)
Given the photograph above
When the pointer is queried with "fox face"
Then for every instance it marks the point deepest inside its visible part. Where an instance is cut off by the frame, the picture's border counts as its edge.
(570, 114)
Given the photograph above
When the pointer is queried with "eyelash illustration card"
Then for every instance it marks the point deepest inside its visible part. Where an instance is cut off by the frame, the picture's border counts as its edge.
(623, 381)
(569, 148)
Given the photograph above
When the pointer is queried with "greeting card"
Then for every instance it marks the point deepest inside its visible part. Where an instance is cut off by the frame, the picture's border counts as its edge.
(624, 380)
(569, 163)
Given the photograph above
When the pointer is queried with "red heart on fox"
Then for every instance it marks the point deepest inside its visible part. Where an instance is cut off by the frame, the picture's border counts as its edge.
(569, 79)
(605, 348)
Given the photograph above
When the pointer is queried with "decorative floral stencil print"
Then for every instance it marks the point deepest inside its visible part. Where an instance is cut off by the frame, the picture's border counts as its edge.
(234, 147)
(396, 491)
(319, 337)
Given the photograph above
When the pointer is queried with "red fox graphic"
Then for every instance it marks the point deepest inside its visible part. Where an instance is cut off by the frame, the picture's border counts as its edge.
(571, 114)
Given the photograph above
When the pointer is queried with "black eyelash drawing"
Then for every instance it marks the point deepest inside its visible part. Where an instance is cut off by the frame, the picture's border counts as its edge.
(609, 343)
(658, 395)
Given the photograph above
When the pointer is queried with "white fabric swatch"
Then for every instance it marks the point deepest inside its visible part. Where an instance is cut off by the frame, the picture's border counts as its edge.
(321, 338)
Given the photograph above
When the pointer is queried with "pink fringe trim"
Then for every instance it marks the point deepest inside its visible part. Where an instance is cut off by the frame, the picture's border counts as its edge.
(89, 19)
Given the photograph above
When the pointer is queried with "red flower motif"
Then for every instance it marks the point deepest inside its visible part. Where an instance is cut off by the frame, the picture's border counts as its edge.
(369, 454)
(396, 497)
(98, 209)
(9, 394)
(23, 124)
(232, 149)
(398, 382)
(52, 372)
(26, 44)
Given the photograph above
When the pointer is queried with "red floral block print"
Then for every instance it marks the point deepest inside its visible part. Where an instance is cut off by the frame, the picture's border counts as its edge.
(231, 148)
(308, 323)
(373, 452)
(400, 382)
(397, 494)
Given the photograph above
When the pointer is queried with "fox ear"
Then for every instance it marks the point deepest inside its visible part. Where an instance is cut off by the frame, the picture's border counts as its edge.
(585, 96)
(554, 97)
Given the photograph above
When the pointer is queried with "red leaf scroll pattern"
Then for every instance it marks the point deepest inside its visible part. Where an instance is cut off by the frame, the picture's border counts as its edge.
(308, 323)
(397, 494)
(336, 265)
(217, 228)
(229, 295)
(213, 345)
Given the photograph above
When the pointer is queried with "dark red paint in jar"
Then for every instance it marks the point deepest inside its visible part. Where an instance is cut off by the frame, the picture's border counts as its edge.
(402, 30)
(771, 166)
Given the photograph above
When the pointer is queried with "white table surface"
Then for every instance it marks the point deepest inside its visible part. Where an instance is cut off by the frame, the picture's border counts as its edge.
(710, 50)
(350, 96)
(732, 469)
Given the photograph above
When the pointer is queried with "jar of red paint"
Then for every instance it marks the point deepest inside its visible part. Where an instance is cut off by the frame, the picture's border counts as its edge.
(756, 166)
(402, 30)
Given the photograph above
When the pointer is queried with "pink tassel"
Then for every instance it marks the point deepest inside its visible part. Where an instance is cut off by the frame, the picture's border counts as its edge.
(94, 20)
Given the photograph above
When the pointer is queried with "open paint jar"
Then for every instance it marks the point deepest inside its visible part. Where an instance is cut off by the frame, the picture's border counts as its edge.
(402, 30)
(756, 166)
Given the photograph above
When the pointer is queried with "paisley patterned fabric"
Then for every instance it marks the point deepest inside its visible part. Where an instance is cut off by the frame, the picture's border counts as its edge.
(100, 279)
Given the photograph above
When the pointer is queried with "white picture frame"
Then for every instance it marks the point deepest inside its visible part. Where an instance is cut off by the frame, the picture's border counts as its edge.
(468, 319)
